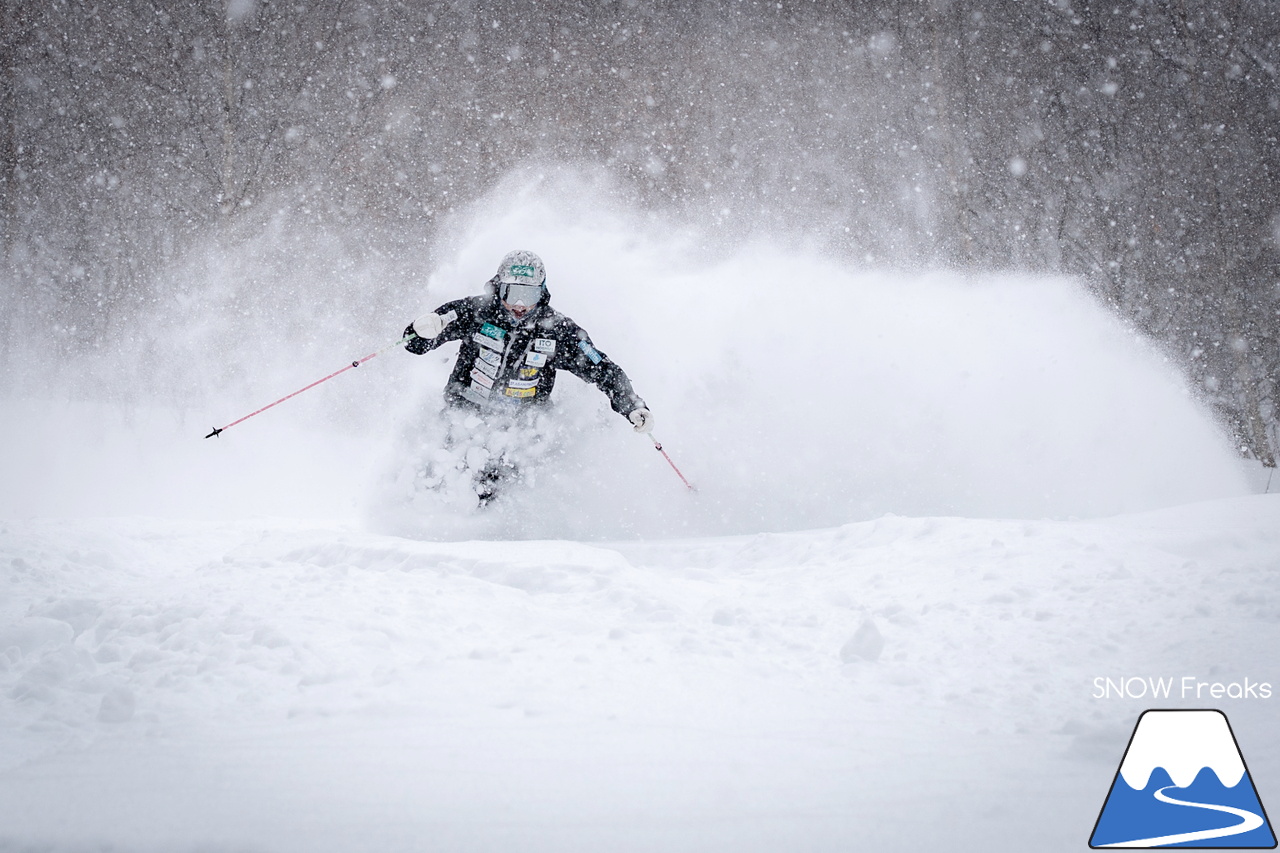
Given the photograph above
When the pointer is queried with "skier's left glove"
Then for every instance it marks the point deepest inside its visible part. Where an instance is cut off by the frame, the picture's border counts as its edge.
(642, 420)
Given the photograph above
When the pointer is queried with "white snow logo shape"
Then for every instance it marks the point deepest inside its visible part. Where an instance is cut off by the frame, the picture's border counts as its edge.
(1183, 783)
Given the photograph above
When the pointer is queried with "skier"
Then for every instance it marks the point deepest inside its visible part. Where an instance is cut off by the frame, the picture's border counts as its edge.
(513, 342)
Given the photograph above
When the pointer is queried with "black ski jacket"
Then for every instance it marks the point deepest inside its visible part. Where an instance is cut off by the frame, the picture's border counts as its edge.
(505, 365)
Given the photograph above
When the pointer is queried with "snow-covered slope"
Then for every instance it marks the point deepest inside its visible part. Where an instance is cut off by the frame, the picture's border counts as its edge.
(265, 685)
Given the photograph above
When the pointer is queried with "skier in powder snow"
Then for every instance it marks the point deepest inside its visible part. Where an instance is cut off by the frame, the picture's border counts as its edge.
(513, 342)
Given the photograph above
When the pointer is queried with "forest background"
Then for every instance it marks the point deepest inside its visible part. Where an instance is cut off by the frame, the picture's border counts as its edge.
(1131, 144)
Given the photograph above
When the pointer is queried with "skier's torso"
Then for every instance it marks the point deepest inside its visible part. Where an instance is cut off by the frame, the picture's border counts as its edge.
(505, 364)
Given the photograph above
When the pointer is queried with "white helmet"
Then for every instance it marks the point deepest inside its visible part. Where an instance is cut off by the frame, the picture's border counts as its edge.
(522, 279)
(522, 267)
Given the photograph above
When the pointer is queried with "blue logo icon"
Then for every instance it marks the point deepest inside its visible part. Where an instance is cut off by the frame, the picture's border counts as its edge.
(1183, 783)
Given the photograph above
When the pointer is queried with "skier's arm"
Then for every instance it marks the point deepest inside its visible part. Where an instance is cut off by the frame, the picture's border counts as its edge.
(426, 339)
(579, 356)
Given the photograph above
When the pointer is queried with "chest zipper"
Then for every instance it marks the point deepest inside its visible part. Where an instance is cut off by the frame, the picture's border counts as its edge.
(506, 354)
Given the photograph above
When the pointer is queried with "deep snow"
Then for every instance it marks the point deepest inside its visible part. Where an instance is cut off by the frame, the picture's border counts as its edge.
(299, 686)
(985, 484)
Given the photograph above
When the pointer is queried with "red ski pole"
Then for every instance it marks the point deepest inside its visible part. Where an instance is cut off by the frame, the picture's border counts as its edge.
(356, 363)
(658, 447)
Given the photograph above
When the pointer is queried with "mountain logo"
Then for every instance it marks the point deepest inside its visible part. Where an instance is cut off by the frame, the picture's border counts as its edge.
(1183, 783)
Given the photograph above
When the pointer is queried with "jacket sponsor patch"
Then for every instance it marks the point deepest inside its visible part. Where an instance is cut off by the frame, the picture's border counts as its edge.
(546, 345)
(528, 372)
(590, 352)
(536, 359)
(491, 331)
(480, 379)
(486, 341)
(522, 383)
(521, 392)
(486, 368)
(491, 357)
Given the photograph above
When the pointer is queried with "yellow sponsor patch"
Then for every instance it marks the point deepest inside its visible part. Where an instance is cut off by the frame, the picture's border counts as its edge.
(528, 372)
(520, 392)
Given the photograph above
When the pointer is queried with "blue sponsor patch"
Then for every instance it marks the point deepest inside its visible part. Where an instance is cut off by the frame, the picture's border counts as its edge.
(590, 352)
(492, 331)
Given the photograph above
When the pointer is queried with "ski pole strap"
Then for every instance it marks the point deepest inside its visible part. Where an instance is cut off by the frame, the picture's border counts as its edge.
(658, 446)
(356, 363)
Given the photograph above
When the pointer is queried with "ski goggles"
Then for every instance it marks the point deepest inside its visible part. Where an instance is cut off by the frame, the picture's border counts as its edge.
(521, 294)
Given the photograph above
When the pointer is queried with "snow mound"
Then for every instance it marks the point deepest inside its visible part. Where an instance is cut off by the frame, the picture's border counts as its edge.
(896, 684)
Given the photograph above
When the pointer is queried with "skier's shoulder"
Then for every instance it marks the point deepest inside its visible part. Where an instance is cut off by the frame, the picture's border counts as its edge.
(560, 326)
(574, 343)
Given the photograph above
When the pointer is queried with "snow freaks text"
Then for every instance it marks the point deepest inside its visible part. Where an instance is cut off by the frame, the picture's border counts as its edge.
(1184, 687)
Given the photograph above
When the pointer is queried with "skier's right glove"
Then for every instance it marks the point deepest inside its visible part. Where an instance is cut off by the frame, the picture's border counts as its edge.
(430, 325)
(642, 420)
